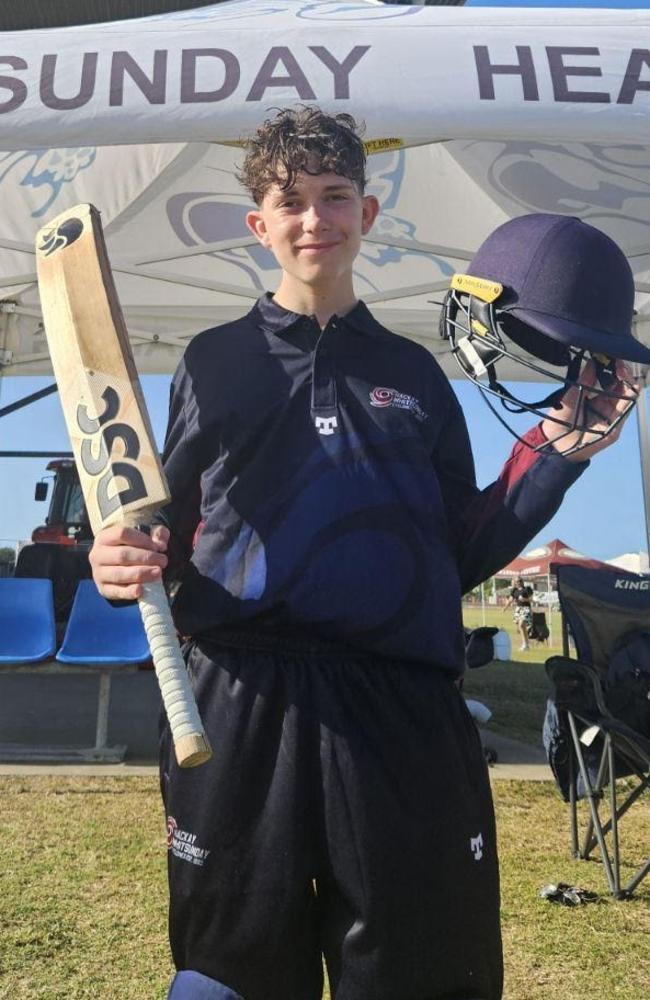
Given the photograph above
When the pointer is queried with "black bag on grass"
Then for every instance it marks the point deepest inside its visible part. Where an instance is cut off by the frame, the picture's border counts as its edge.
(479, 645)
(538, 629)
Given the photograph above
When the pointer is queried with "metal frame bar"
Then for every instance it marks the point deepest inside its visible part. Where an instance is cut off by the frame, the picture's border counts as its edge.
(101, 751)
(26, 400)
(36, 454)
(594, 796)
(598, 830)
(644, 451)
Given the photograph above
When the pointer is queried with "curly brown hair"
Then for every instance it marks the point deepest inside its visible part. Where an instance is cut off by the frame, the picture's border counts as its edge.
(302, 138)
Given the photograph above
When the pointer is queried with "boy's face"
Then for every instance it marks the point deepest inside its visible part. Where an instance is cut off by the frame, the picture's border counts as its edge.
(314, 228)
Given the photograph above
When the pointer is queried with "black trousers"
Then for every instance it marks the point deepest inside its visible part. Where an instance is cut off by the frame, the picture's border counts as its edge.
(346, 812)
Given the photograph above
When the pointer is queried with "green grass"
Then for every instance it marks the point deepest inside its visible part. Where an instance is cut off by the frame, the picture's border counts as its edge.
(83, 896)
(82, 890)
(83, 893)
(598, 950)
(515, 690)
(538, 652)
(516, 693)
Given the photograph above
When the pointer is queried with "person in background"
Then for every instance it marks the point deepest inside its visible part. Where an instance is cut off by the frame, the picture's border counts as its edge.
(521, 596)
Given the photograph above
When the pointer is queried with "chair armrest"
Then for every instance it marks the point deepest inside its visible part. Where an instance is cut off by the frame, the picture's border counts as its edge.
(576, 684)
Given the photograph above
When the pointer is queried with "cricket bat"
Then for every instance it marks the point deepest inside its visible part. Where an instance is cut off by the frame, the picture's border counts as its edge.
(118, 463)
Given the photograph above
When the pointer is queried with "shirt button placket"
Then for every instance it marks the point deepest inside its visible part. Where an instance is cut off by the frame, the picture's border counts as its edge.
(324, 399)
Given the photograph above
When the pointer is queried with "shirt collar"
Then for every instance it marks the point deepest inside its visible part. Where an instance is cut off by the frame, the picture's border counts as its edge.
(276, 319)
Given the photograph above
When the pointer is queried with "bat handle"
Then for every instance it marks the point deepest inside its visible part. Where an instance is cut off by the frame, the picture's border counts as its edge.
(190, 742)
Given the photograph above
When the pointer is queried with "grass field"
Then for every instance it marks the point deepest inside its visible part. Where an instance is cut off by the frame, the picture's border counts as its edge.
(83, 896)
(473, 616)
(83, 886)
(515, 691)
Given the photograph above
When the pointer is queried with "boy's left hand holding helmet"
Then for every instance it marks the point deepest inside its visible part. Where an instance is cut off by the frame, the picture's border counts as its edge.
(554, 297)
(595, 414)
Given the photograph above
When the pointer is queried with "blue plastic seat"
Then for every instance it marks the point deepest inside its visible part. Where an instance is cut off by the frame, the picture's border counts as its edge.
(27, 629)
(99, 633)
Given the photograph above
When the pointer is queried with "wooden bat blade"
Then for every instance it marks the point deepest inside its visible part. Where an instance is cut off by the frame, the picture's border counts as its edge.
(118, 463)
(107, 420)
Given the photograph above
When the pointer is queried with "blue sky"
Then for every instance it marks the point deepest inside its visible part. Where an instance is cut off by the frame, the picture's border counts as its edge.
(602, 515)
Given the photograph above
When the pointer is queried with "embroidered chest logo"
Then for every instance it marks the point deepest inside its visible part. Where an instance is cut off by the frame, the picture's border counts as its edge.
(183, 845)
(326, 425)
(391, 397)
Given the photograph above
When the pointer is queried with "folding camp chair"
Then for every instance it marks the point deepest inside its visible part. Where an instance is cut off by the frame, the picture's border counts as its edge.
(589, 742)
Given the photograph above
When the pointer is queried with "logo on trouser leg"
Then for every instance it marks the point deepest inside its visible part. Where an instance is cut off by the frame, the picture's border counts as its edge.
(476, 846)
(183, 844)
(326, 425)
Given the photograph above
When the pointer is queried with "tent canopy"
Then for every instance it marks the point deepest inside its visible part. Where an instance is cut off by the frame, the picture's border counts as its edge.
(541, 561)
(31, 14)
(473, 115)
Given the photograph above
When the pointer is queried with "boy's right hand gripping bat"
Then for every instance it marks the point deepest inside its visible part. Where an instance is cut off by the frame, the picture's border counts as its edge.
(116, 455)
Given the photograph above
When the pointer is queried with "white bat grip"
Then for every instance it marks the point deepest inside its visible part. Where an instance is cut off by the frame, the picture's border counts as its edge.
(190, 742)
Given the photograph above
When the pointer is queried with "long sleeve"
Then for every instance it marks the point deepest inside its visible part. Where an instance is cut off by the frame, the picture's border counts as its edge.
(492, 526)
(182, 466)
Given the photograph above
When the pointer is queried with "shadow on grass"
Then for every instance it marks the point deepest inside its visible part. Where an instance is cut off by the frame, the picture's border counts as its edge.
(516, 695)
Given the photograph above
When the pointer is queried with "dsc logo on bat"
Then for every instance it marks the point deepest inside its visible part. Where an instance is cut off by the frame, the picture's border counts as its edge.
(95, 451)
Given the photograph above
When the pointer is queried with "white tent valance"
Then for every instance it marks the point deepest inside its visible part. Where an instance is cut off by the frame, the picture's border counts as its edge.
(417, 74)
(473, 115)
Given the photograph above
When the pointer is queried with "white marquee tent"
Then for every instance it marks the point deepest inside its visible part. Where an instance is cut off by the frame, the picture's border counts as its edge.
(473, 115)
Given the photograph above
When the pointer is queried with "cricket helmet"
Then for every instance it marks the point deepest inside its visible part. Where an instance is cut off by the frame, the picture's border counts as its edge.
(547, 292)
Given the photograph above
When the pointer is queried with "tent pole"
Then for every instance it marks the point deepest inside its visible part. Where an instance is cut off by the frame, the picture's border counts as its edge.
(549, 606)
(483, 601)
(644, 450)
(27, 400)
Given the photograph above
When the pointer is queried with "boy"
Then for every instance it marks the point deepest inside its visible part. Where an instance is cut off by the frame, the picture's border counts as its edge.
(324, 522)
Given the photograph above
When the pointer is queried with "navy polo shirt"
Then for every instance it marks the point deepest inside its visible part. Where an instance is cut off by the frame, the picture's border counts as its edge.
(322, 481)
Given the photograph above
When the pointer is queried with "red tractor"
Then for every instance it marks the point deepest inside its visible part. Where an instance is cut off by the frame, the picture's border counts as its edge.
(67, 520)
(60, 546)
